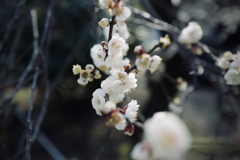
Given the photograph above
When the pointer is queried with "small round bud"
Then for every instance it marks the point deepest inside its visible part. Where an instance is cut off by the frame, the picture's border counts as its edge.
(127, 67)
(76, 69)
(104, 23)
(90, 67)
(164, 41)
(228, 55)
(97, 74)
(138, 50)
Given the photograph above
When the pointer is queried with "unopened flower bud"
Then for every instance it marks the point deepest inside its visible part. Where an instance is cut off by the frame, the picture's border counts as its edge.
(177, 101)
(97, 74)
(138, 50)
(104, 45)
(127, 67)
(90, 67)
(104, 23)
(164, 41)
(228, 55)
(197, 50)
(76, 69)
(129, 129)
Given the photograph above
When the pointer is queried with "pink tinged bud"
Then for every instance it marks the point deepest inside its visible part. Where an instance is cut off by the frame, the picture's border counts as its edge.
(138, 50)
(126, 67)
(104, 45)
(104, 23)
(129, 129)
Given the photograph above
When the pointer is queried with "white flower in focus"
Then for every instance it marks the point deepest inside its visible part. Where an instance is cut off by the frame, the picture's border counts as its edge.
(232, 77)
(116, 44)
(167, 134)
(228, 55)
(76, 69)
(141, 151)
(104, 23)
(223, 63)
(155, 61)
(104, 4)
(131, 111)
(108, 107)
(142, 62)
(191, 34)
(98, 100)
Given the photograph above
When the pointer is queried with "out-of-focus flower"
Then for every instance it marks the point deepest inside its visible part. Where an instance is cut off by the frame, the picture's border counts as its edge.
(154, 62)
(228, 55)
(232, 77)
(90, 67)
(105, 4)
(76, 69)
(223, 63)
(181, 84)
(167, 134)
(104, 23)
(129, 129)
(108, 107)
(191, 34)
(122, 16)
(141, 151)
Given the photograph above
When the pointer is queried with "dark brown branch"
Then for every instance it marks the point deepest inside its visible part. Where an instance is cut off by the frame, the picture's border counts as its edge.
(111, 24)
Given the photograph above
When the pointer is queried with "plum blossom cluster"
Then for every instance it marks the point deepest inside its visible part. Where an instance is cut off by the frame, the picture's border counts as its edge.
(165, 137)
(86, 75)
(121, 119)
(230, 64)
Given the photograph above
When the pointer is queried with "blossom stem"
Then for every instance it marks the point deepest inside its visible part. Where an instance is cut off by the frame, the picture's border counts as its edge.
(149, 52)
(111, 24)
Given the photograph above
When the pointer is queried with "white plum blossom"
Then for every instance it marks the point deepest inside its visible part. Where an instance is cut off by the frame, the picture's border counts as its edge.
(141, 151)
(167, 134)
(131, 111)
(165, 41)
(98, 100)
(232, 77)
(118, 83)
(90, 67)
(191, 34)
(104, 23)
(234, 65)
(104, 4)
(154, 62)
(125, 49)
(223, 63)
(76, 69)
(84, 77)
(236, 57)
(116, 45)
(142, 62)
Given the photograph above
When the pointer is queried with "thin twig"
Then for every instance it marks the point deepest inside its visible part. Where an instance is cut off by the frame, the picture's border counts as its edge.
(207, 50)
(29, 118)
(6, 101)
(10, 25)
(184, 106)
(111, 24)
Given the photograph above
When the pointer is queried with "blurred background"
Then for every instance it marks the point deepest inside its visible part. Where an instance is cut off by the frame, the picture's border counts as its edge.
(70, 128)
